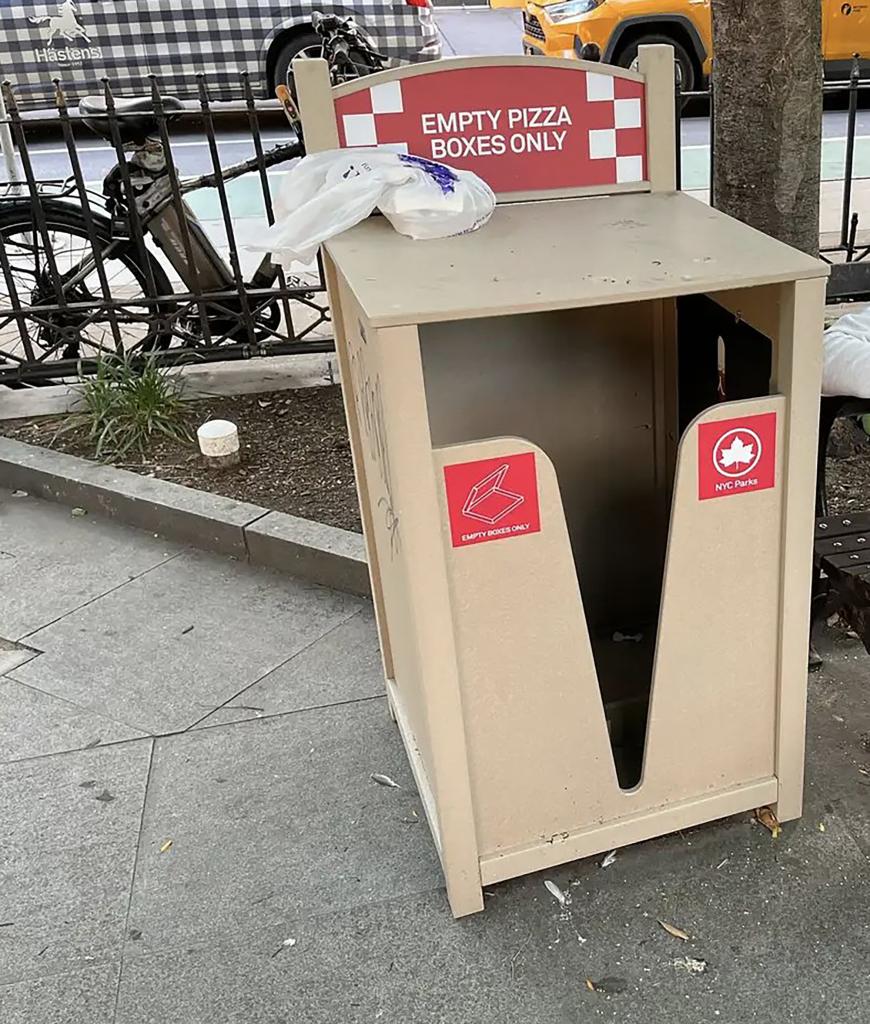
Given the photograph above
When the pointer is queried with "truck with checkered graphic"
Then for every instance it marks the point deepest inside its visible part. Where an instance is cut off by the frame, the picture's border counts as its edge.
(82, 41)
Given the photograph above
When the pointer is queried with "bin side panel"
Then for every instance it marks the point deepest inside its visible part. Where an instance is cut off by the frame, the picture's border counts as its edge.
(359, 469)
(362, 380)
(797, 372)
(538, 748)
(409, 505)
(713, 704)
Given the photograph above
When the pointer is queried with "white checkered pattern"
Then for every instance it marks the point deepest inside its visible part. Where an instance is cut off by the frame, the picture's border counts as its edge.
(603, 141)
(362, 130)
(178, 39)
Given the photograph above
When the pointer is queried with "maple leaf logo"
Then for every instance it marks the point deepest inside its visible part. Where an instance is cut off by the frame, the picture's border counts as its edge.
(738, 452)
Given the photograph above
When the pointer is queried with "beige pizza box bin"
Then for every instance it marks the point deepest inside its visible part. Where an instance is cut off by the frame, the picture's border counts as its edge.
(593, 624)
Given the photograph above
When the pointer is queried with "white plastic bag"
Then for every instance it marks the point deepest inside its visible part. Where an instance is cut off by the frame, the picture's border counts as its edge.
(846, 367)
(327, 193)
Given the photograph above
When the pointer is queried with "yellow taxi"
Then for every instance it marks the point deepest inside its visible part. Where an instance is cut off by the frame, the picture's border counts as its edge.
(558, 28)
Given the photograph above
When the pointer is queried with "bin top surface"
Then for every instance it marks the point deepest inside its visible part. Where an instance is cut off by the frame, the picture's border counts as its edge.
(559, 255)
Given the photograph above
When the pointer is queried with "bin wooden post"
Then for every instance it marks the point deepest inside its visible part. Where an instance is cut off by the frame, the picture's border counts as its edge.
(797, 374)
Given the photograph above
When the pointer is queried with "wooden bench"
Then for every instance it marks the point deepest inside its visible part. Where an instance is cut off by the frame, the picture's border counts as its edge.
(842, 551)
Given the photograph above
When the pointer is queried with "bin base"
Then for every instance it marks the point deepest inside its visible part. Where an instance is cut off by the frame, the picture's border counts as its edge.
(648, 825)
(568, 846)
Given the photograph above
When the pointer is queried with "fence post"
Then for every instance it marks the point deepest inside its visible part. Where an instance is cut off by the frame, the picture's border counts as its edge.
(712, 109)
(678, 127)
(851, 129)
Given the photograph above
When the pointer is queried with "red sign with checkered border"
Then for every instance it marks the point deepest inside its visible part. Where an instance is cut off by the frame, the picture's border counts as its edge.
(736, 456)
(492, 499)
(521, 128)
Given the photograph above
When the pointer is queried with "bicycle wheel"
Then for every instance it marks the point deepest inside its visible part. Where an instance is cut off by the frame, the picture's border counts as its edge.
(76, 323)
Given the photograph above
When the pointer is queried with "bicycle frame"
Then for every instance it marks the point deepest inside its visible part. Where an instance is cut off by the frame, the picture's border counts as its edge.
(175, 227)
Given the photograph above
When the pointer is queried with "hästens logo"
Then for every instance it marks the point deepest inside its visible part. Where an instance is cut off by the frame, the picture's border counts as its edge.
(492, 499)
(64, 27)
(736, 456)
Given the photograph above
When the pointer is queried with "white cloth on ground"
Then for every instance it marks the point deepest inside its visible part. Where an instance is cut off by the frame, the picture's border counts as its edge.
(846, 366)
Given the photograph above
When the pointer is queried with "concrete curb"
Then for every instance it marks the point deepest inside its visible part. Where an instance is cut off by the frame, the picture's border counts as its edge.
(312, 551)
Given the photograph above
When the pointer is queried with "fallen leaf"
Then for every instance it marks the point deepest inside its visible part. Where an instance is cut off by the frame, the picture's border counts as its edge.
(77, 513)
(412, 819)
(135, 934)
(608, 985)
(385, 780)
(690, 965)
(105, 797)
(167, 845)
(766, 817)
(88, 784)
(556, 893)
(672, 929)
(609, 859)
(94, 743)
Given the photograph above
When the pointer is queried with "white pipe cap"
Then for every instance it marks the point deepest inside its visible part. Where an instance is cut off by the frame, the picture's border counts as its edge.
(218, 437)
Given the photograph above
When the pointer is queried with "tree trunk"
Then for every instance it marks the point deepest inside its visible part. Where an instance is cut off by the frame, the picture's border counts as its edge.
(767, 93)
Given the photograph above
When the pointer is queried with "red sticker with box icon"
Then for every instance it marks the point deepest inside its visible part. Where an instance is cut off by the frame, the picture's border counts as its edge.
(736, 456)
(492, 499)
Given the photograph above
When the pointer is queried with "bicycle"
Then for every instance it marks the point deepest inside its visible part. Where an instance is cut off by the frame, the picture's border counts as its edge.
(93, 271)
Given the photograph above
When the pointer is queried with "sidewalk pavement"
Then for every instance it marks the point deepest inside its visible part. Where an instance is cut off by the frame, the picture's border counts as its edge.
(190, 832)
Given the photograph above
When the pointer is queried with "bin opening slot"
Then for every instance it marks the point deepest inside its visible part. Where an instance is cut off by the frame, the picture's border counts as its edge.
(719, 358)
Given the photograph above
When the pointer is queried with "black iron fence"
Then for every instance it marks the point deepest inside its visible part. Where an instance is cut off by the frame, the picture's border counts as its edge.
(850, 266)
(109, 257)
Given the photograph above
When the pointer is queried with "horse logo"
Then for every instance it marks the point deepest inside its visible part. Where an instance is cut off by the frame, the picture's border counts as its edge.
(63, 25)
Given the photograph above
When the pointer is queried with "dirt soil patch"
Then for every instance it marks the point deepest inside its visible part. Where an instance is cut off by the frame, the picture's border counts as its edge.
(295, 453)
(848, 476)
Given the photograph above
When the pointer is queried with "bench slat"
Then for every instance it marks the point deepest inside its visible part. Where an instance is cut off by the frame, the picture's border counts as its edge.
(838, 526)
